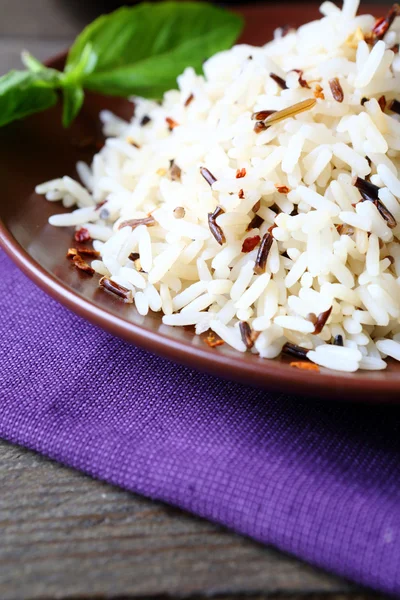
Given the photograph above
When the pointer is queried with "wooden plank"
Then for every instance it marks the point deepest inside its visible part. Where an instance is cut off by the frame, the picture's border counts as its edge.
(64, 534)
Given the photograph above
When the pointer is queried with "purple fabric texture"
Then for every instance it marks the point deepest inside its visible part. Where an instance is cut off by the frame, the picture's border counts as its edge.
(317, 479)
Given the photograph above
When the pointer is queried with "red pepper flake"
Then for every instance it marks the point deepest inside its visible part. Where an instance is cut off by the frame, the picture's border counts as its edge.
(303, 83)
(82, 265)
(336, 89)
(241, 194)
(212, 341)
(189, 99)
(318, 93)
(305, 366)
(281, 82)
(72, 252)
(171, 123)
(87, 251)
(282, 189)
(82, 235)
(240, 173)
(250, 243)
(382, 103)
(345, 229)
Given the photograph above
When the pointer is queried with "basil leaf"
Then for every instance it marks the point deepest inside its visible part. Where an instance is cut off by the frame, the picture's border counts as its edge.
(51, 76)
(142, 49)
(23, 93)
(84, 66)
(73, 100)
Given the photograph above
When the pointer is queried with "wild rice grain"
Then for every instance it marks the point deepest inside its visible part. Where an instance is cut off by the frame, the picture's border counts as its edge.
(281, 82)
(382, 25)
(338, 340)
(133, 223)
(394, 106)
(336, 89)
(175, 172)
(302, 82)
(255, 223)
(294, 350)
(263, 252)
(289, 112)
(188, 100)
(208, 176)
(321, 321)
(215, 229)
(117, 289)
(247, 334)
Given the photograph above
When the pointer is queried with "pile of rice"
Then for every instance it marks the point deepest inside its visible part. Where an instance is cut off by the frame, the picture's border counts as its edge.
(257, 230)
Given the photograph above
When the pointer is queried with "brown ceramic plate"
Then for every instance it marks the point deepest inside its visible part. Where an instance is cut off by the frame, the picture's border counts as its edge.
(38, 149)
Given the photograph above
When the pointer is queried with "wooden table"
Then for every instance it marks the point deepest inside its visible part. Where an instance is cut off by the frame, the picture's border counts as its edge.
(64, 535)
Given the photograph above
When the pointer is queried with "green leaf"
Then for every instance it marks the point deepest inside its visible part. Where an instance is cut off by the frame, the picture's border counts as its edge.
(31, 63)
(23, 93)
(73, 100)
(51, 76)
(75, 72)
(141, 50)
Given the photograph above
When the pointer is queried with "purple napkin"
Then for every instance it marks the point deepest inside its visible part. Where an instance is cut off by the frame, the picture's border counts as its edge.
(317, 479)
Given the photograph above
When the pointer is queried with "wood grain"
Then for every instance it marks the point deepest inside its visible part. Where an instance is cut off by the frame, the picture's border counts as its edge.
(64, 535)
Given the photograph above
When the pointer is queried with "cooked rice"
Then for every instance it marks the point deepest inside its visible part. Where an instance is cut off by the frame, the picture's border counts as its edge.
(329, 249)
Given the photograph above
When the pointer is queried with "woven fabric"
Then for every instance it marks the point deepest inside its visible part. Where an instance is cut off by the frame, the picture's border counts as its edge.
(317, 479)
